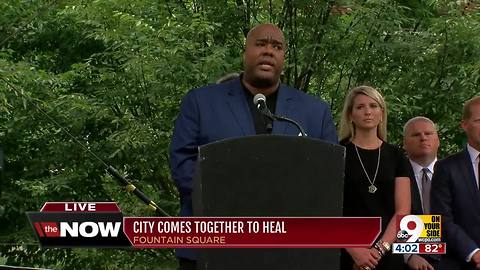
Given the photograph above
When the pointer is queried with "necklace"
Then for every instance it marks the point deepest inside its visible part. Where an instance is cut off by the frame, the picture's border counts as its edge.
(372, 188)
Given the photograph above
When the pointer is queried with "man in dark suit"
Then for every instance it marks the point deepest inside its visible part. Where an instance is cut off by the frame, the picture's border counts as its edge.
(455, 195)
(226, 110)
(420, 141)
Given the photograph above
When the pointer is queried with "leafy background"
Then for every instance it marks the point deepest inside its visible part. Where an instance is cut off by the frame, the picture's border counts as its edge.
(113, 73)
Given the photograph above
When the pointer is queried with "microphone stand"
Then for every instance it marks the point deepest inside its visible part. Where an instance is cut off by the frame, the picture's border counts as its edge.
(274, 117)
(286, 119)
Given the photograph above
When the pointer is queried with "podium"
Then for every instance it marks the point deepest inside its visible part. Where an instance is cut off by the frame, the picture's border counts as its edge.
(269, 175)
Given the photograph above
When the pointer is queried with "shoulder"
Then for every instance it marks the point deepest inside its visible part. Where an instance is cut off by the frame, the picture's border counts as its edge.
(394, 152)
(346, 142)
(215, 88)
(392, 148)
(397, 159)
(214, 91)
(451, 165)
(453, 159)
(303, 97)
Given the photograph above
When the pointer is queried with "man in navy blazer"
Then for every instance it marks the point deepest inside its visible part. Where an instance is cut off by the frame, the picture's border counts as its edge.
(421, 142)
(225, 110)
(455, 195)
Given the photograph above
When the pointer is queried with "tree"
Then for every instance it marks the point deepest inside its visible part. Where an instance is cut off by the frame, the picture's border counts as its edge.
(113, 74)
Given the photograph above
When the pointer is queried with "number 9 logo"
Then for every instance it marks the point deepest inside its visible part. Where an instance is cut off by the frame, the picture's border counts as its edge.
(406, 224)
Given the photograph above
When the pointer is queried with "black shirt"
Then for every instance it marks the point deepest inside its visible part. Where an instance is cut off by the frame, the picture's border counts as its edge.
(260, 121)
(358, 202)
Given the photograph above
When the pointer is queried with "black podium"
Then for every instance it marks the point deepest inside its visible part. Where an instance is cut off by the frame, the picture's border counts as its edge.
(269, 175)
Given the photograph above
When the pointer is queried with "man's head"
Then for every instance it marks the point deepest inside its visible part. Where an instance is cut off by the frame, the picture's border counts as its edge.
(420, 140)
(471, 121)
(264, 56)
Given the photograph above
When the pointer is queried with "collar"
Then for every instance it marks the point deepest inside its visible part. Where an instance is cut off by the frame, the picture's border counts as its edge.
(248, 93)
(417, 168)
(473, 153)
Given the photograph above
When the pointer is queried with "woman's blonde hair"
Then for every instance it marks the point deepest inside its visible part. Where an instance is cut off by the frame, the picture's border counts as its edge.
(347, 128)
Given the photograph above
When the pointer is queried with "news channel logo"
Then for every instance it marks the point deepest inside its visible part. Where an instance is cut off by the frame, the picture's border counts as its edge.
(79, 224)
(419, 228)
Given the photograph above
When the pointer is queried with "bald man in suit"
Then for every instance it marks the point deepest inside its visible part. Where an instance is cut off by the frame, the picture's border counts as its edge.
(421, 142)
(225, 110)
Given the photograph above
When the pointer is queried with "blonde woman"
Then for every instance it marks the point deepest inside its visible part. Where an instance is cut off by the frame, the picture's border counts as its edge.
(376, 177)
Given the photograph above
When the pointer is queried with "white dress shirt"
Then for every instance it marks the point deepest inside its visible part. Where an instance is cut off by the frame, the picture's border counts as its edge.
(474, 158)
(417, 170)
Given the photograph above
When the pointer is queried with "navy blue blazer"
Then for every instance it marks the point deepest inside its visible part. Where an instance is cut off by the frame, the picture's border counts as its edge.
(456, 197)
(220, 111)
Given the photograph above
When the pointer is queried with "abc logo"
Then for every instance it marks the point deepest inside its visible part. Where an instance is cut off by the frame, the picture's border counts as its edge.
(411, 227)
(403, 235)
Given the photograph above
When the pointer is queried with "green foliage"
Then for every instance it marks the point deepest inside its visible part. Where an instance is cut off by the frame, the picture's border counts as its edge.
(113, 72)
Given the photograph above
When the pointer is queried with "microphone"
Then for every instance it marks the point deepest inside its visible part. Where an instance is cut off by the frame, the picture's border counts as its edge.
(260, 102)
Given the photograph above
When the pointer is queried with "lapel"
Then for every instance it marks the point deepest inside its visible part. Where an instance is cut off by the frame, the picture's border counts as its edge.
(467, 173)
(416, 200)
(285, 99)
(238, 105)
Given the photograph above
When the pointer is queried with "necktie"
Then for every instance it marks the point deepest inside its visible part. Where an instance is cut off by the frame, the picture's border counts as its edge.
(426, 185)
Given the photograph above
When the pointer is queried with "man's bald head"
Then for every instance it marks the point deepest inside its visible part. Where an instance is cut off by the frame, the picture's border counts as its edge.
(420, 140)
(264, 57)
(263, 27)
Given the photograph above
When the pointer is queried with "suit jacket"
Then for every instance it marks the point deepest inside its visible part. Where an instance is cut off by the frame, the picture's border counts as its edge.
(220, 111)
(456, 197)
(417, 209)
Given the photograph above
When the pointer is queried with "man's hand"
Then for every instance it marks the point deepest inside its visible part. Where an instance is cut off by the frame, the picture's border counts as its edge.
(416, 262)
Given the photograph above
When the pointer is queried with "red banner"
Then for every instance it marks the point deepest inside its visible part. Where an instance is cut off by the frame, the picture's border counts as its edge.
(251, 232)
